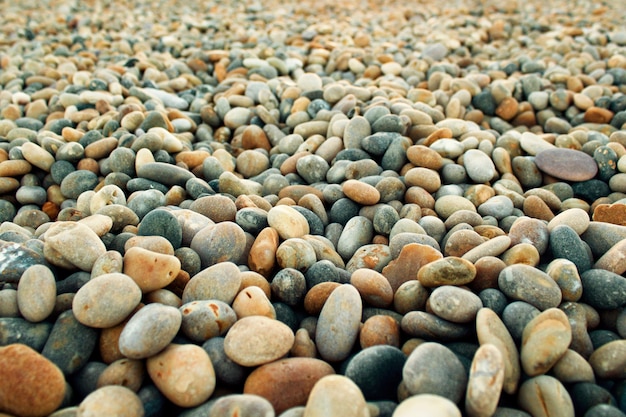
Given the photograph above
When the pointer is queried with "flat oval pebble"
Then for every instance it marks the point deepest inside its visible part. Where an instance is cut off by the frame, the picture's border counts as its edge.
(335, 395)
(609, 360)
(450, 270)
(545, 339)
(338, 323)
(106, 300)
(32, 385)
(485, 381)
(432, 368)
(222, 242)
(523, 282)
(454, 304)
(257, 340)
(427, 405)
(288, 222)
(241, 405)
(149, 331)
(287, 383)
(183, 373)
(560, 163)
(36, 293)
(545, 396)
(221, 282)
(112, 400)
(72, 245)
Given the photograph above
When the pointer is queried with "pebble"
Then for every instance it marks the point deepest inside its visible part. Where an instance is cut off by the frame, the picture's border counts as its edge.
(33, 385)
(286, 383)
(545, 396)
(150, 270)
(544, 341)
(72, 245)
(433, 368)
(335, 395)
(112, 400)
(106, 300)
(485, 381)
(338, 324)
(257, 340)
(36, 293)
(183, 374)
(423, 405)
(523, 282)
(241, 405)
(149, 331)
(558, 162)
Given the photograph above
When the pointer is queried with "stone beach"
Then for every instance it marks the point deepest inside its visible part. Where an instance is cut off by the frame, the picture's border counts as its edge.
(313, 208)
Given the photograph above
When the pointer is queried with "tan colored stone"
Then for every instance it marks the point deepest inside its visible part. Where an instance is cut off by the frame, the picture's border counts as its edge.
(411, 258)
(183, 373)
(450, 270)
(252, 301)
(374, 288)
(336, 395)
(150, 270)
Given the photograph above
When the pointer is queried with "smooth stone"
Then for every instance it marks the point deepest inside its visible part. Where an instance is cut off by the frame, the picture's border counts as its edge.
(609, 360)
(565, 243)
(491, 330)
(544, 341)
(377, 371)
(150, 270)
(425, 325)
(336, 395)
(111, 400)
(447, 205)
(601, 236)
(433, 368)
(222, 242)
(288, 222)
(241, 405)
(357, 232)
(164, 173)
(493, 247)
(573, 367)
(286, 383)
(32, 385)
(36, 293)
(565, 274)
(183, 374)
(454, 304)
(427, 405)
(19, 330)
(106, 300)
(221, 282)
(613, 260)
(257, 340)
(338, 323)
(149, 331)
(450, 270)
(524, 282)
(77, 182)
(70, 344)
(545, 396)
(204, 319)
(485, 381)
(226, 371)
(72, 245)
(558, 162)
(374, 288)
(479, 166)
(529, 230)
(161, 223)
(603, 289)
(252, 301)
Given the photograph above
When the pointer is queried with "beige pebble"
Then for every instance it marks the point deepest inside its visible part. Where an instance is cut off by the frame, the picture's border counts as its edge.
(111, 400)
(36, 293)
(256, 340)
(128, 373)
(72, 245)
(450, 270)
(491, 330)
(361, 192)
(485, 381)
(252, 301)
(609, 360)
(544, 341)
(287, 222)
(336, 395)
(106, 300)
(545, 396)
(427, 405)
(576, 218)
(183, 373)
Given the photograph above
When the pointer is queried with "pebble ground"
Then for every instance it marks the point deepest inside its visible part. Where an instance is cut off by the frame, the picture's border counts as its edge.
(313, 208)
